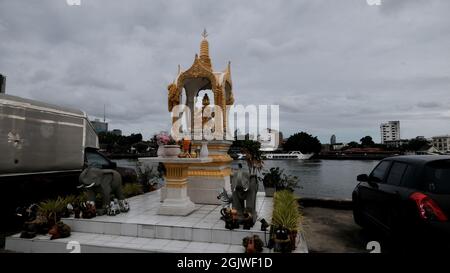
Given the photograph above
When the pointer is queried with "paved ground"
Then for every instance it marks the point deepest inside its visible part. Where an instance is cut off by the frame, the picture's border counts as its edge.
(4, 234)
(334, 231)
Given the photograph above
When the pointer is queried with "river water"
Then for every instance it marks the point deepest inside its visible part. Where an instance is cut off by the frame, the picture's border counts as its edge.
(318, 178)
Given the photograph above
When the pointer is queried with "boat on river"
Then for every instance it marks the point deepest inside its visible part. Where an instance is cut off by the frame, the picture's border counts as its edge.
(294, 155)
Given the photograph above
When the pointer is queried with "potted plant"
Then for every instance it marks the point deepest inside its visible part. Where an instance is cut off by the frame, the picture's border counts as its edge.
(285, 221)
(270, 180)
(52, 210)
(167, 146)
(276, 180)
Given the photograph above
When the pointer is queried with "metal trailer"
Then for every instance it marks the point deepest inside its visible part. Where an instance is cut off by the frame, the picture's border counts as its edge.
(36, 137)
(43, 150)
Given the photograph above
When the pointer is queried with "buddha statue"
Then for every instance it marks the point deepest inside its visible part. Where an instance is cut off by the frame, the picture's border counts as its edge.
(205, 101)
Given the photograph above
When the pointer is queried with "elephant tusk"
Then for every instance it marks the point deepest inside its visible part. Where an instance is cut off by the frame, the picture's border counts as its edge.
(80, 186)
(91, 185)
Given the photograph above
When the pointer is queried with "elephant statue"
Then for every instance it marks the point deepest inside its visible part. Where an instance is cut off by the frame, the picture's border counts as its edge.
(106, 182)
(245, 187)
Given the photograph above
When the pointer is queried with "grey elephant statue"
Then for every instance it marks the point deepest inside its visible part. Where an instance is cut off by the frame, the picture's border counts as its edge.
(106, 182)
(245, 188)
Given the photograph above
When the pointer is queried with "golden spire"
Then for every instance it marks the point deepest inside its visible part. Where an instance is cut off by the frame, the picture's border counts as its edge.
(204, 50)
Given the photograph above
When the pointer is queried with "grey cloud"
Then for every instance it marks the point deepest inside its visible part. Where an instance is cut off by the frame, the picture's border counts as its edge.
(334, 67)
(429, 104)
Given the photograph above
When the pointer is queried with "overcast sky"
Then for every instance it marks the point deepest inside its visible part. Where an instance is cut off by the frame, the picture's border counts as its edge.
(334, 67)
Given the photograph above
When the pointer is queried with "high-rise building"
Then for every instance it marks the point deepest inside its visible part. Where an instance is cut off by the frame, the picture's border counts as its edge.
(333, 140)
(2, 83)
(116, 132)
(390, 131)
(100, 126)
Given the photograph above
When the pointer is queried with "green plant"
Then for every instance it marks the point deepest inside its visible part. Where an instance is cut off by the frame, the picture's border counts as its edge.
(148, 177)
(70, 199)
(81, 198)
(276, 178)
(272, 178)
(286, 213)
(52, 208)
(253, 156)
(132, 189)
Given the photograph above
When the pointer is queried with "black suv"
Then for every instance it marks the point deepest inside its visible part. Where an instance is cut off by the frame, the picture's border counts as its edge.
(406, 195)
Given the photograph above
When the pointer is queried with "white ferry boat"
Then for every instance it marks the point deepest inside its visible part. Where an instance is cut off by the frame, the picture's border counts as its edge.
(290, 155)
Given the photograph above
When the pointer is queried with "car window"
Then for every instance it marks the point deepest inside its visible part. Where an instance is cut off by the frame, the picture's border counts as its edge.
(379, 172)
(95, 160)
(396, 173)
(437, 177)
(408, 179)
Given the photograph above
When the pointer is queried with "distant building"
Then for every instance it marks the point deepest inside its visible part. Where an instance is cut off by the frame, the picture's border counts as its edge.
(396, 143)
(116, 132)
(427, 150)
(325, 148)
(100, 126)
(441, 143)
(2, 83)
(272, 141)
(390, 131)
(333, 140)
(337, 146)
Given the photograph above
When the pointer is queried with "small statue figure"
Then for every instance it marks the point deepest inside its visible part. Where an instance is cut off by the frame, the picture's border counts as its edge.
(247, 220)
(225, 198)
(59, 230)
(124, 206)
(88, 210)
(253, 244)
(186, 149)
(230, 217)
(68, 211)
(39, 225)
(113, 209)
(281, 240)
(205, 101)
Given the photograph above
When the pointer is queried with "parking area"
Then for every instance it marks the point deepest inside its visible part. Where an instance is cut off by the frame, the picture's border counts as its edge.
(334, 231)
(329, 230)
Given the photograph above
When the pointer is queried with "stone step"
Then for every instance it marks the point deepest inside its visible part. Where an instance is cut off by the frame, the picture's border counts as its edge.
(101, 243)
(205, 231)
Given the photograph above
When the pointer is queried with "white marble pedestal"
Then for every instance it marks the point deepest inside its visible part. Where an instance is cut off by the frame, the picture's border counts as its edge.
(177, 201)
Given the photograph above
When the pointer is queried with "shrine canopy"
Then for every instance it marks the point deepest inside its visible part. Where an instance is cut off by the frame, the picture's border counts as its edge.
(201, 76)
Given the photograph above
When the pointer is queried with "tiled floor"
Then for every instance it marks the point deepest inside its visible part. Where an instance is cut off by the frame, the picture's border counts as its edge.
(143, 230)
(144, 211)
(142, 220)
